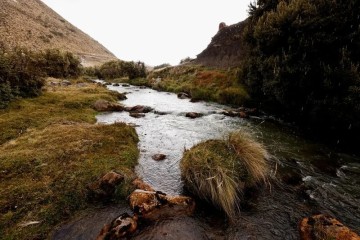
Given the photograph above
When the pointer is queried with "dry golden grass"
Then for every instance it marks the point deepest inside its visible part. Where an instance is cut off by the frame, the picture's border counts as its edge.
(251, 153)
(33, 25)
(219, 170)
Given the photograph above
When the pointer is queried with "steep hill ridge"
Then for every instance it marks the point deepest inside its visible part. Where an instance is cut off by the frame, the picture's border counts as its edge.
(32, 24)
(225, 49)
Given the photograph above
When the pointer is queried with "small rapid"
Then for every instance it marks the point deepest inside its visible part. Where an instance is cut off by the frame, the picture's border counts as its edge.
(308, 177)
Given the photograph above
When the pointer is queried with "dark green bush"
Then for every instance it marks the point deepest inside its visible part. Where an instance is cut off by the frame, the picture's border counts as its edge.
(22, 71)
(117, 69)
(303, 62)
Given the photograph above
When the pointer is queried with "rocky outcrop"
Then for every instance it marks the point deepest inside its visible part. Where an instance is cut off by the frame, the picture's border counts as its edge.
(226, 48)
(321, 226)
(102, 105)
(104, 188)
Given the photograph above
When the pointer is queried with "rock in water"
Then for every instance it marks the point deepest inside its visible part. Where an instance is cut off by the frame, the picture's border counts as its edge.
(193, 115)
(183, 95)
(159, 157)
(106, 106)
(136, 115)
(139, 109)
(321, 227)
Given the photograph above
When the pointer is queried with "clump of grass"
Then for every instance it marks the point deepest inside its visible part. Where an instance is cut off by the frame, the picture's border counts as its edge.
(219, 170)
(50, 152)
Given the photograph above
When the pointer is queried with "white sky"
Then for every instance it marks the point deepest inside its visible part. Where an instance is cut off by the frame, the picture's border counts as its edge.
(152, 31)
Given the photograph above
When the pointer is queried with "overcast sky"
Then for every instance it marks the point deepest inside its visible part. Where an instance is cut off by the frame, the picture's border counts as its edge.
(152, 31)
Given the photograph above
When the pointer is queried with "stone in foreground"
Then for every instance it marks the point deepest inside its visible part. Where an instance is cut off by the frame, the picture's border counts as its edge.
(321, 226)
(104, 188)
(120, 227)
(156, 205)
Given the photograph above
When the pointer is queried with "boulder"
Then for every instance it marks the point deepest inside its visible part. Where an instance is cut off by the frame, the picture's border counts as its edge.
(159, 157)
(139, 109)
(104, 188)
(106, 106)
(126, 85)
(140, 184)
(321, 226)
(116, 84)
(153, 205)
(120, 227)
(183, 95)
(193, 115)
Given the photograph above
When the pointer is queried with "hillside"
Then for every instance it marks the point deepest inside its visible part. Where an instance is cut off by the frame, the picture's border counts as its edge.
(32, 24)
(226, 48)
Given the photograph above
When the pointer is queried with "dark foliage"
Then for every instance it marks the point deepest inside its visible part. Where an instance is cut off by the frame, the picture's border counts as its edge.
(118, 69)
(22, 71)
(303, 62)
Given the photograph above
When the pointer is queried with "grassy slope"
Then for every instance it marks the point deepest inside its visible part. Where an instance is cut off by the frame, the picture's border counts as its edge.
(202, 83)
(50, 151)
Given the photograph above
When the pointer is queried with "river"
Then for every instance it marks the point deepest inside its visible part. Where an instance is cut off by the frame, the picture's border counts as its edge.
(307, 177)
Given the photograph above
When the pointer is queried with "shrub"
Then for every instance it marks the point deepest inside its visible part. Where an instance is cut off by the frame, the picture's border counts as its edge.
(219, 170)
(303, 62)
(22, 71)
(118, 69)
(233, 95)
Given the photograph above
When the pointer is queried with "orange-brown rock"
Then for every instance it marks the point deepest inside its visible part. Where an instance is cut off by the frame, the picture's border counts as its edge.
(321, 226)
(106, 106)
(140, 184)
(120, 227)
(155, 205)
(104, 188)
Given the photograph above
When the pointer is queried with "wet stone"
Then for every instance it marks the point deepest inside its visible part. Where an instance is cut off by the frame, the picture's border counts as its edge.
(159, 157)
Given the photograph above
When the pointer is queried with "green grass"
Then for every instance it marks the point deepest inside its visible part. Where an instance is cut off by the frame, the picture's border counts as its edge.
(201, 83)
(50, 151)
(219, 170)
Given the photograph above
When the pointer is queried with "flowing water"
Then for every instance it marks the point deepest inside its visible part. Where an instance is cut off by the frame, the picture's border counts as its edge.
(308, 178)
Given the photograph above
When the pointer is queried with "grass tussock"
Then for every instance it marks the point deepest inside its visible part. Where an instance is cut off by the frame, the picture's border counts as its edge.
(219, 170)
(45, 167)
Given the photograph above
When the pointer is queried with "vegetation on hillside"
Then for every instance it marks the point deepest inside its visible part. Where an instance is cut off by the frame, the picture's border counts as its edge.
(219, 170)
(22, 71)
(50, 151)
(201, 83)
(118, 69)
(303, 62)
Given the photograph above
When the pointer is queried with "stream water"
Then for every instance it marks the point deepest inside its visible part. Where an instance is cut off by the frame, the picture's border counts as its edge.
(308, 178)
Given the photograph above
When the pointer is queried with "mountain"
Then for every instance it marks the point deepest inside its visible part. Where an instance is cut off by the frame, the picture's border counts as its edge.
(32, 24)
(226, 47)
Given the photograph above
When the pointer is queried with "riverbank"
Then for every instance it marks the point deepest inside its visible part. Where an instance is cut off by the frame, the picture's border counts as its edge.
(51, 150)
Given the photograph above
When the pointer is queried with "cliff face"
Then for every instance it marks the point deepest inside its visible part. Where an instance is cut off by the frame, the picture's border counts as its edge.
(32, 24)
(226, 48)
